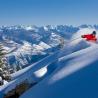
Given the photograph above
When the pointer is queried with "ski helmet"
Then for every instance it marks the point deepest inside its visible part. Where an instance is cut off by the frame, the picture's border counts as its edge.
(94, 32)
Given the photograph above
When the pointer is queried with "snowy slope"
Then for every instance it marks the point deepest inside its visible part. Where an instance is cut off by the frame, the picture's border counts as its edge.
(75, 77)
(84, 31)
(27, 72)
(26, 42)
(77, 55)
(66, 81)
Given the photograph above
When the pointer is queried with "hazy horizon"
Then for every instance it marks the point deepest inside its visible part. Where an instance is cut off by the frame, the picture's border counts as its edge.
(48, 12)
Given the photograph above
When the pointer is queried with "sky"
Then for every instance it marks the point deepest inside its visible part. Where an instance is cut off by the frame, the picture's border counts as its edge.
(48, 12)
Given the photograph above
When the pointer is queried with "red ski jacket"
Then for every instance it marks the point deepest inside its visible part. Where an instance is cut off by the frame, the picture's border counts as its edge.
(90, 37)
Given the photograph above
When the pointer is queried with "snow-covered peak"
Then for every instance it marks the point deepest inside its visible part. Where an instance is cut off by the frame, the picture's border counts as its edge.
(45, 28)
(28, 28)
(44, 45)
(62, 72)
(31, 27)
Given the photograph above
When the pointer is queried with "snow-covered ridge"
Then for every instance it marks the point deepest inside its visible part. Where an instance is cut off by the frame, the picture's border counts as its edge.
(55, 67)
(26, 74)
(74, 70)
(23, 42)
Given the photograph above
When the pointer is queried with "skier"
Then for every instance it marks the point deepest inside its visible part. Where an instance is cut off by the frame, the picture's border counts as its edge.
(90, 37)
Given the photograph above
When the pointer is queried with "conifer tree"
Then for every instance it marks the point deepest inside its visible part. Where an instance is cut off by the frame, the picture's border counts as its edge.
(3, 67)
